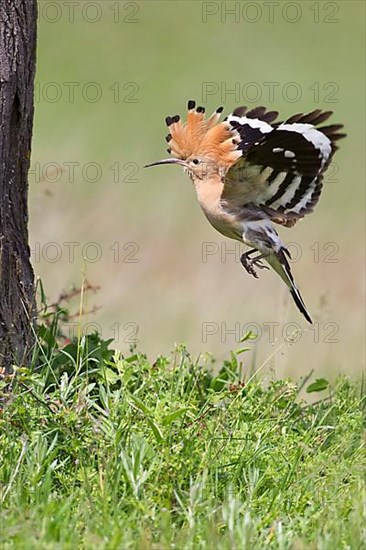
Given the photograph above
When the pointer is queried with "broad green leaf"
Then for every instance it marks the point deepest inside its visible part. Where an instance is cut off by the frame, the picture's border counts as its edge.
(320, 384)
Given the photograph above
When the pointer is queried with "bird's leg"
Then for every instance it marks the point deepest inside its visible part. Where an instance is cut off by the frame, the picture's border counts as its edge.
(257, 261)
(248, 262)
(250, 252)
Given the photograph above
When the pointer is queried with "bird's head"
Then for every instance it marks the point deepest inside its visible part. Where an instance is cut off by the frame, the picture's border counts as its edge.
(202, 147)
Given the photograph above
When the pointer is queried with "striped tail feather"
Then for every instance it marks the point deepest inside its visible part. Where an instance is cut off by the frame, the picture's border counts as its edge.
(279, 263)
(300, 303)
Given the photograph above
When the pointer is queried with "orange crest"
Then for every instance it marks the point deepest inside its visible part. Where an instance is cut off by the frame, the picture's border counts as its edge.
(207, 138)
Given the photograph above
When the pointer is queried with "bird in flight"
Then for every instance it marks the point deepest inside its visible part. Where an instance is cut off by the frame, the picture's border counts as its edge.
(250, 172)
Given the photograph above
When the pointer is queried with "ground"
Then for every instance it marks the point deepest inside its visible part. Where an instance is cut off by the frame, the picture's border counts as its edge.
(108, 451)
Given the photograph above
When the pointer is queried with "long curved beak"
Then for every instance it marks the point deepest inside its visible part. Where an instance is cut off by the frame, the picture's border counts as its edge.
(166, 161)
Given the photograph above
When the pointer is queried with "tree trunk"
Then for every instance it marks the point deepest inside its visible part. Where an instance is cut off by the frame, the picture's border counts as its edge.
(18, 24)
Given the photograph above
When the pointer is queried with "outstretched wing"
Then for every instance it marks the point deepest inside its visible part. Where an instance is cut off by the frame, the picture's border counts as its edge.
(282, 166)
(251, 125)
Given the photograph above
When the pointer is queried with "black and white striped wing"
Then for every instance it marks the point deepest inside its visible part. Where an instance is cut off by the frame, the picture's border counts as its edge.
(281, 172)
(251, 125)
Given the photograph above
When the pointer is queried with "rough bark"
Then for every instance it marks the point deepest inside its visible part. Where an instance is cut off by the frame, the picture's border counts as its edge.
(18, 22)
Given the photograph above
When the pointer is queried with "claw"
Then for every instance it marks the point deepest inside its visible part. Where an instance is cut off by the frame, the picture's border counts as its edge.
(257, 262)
(250, 263)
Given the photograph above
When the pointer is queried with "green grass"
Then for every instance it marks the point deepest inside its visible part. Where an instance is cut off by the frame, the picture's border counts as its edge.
(101, 450)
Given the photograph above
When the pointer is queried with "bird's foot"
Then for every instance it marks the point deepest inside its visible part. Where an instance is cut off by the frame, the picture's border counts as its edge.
(249, 263)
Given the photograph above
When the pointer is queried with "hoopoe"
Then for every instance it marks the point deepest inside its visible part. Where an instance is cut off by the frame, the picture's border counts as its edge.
(249, 172)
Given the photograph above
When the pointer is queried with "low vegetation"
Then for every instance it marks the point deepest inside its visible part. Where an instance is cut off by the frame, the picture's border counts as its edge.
(104, 450)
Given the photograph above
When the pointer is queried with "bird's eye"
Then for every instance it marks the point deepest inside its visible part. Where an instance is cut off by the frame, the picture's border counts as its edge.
(195, 161)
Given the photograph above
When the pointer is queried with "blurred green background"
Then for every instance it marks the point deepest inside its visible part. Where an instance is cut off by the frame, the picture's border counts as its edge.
(108, 74)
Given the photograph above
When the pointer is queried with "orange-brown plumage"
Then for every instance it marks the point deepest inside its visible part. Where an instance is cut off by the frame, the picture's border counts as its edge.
(208, 138)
